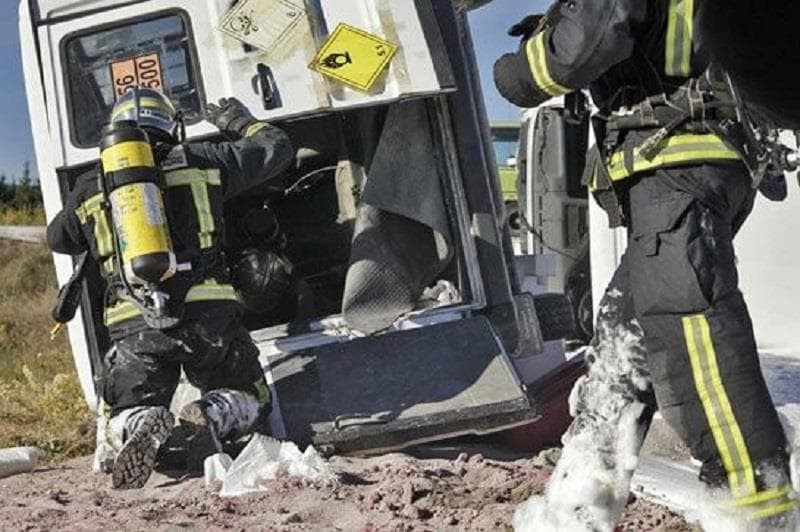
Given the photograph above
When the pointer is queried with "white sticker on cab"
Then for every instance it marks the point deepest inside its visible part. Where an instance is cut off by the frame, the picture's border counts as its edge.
(264, 24)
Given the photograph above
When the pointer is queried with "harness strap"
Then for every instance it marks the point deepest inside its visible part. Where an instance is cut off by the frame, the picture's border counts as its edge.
(680, 33)
(209, 290)
(674, 151)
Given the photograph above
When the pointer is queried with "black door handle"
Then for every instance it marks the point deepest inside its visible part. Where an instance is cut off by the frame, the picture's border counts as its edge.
(265, 85)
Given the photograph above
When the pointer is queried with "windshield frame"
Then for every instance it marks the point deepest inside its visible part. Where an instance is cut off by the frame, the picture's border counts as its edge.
(194, 68)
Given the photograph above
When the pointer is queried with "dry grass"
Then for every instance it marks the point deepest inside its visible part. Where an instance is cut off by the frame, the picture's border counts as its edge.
(22, 216)
(41, 402)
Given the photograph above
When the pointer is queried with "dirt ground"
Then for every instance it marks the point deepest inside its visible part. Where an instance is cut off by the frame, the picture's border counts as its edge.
(395, 492)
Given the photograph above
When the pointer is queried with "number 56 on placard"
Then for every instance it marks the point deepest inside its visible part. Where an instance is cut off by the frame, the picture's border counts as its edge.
(140, 71)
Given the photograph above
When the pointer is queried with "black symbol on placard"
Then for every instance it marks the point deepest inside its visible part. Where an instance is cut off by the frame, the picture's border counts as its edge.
(337, 60)
(244, 24)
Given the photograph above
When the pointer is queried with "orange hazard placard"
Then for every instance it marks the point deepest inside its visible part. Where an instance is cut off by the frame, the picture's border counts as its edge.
(140, 71)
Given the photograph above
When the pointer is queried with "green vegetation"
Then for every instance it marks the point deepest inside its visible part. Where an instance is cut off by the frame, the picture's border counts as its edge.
(41, 402)
(21, 200)
(22, 216)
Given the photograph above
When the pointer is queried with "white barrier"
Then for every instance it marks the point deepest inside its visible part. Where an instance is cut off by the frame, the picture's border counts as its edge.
(23, 233)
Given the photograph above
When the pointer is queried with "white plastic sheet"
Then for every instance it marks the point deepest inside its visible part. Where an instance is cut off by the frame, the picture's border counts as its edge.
(264, 459)
(216, 467)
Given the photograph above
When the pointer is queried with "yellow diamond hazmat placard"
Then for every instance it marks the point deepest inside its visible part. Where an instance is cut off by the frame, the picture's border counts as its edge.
(354, 57)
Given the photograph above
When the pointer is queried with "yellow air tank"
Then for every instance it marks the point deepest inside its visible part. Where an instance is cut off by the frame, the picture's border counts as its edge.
(137, 207)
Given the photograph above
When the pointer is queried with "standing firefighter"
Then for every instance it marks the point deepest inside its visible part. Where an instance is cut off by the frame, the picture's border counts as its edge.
(151, 217)
(673, 330)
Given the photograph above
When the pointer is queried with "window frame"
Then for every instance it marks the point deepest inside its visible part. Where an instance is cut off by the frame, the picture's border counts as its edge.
(195, 71)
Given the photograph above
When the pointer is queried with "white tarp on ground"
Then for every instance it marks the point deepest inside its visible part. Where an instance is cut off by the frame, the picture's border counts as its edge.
(263, 459)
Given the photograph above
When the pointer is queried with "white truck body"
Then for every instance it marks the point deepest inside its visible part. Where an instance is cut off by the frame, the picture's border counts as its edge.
(232, 67)
(72, 51)
(767, 266)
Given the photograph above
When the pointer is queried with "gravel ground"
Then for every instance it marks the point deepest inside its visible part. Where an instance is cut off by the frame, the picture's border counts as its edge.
(394, 492)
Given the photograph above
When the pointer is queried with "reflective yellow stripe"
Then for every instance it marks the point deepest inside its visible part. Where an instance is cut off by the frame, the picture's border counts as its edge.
(255, 128)
(211, 291)
(120, 312)
(102, 232)
(93, 208)
(198, 180)
(725, 429)
(93, 203)
(82, 215)
(764, 496)
(765, 504)
(204, 216)
(263, 395)
(144, 103)
(187, 176)
(678, 149)
(680, 29)
(207, 291)
(719, 414)
(773, 510)
(727, 410)
(537, 59)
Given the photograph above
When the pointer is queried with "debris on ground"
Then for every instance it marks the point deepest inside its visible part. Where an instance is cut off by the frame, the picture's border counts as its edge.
(265, 459)
(18, 460)
(390, 492)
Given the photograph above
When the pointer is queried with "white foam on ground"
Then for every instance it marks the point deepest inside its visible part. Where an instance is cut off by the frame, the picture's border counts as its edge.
(590, 485)
(583, 494)
(790, 417)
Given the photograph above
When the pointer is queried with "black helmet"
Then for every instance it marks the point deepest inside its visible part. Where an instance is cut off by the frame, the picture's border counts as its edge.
(264, 280)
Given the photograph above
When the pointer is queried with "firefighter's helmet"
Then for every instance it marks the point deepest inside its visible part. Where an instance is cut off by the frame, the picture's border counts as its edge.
(148, 108)
(264, 279)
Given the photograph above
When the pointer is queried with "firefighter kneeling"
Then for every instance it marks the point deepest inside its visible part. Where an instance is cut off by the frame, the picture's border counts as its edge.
(151, 217)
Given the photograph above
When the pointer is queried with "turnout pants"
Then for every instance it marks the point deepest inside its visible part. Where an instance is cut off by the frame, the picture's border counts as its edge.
(673, 331)
(680, 274)
(214, 349)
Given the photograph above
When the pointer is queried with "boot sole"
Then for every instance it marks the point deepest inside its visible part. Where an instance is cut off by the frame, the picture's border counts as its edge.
(201, 441)
(137, 458)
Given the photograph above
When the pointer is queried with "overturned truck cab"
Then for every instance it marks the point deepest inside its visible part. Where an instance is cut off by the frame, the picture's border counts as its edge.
(399, 318)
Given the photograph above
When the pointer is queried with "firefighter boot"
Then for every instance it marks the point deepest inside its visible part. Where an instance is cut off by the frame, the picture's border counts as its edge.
(218, 416)
(138, 433)
(774, 508)
(777, 511)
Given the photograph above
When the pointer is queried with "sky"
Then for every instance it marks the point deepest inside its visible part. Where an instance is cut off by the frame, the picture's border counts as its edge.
(489, 25)
(16, 144)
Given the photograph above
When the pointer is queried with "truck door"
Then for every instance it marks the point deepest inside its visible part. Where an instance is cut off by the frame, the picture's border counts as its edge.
(552, 158)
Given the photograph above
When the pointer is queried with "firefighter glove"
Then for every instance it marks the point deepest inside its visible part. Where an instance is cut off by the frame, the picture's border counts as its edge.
(773, 186)
(514, 81)
(231, 116)
(526, 27)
